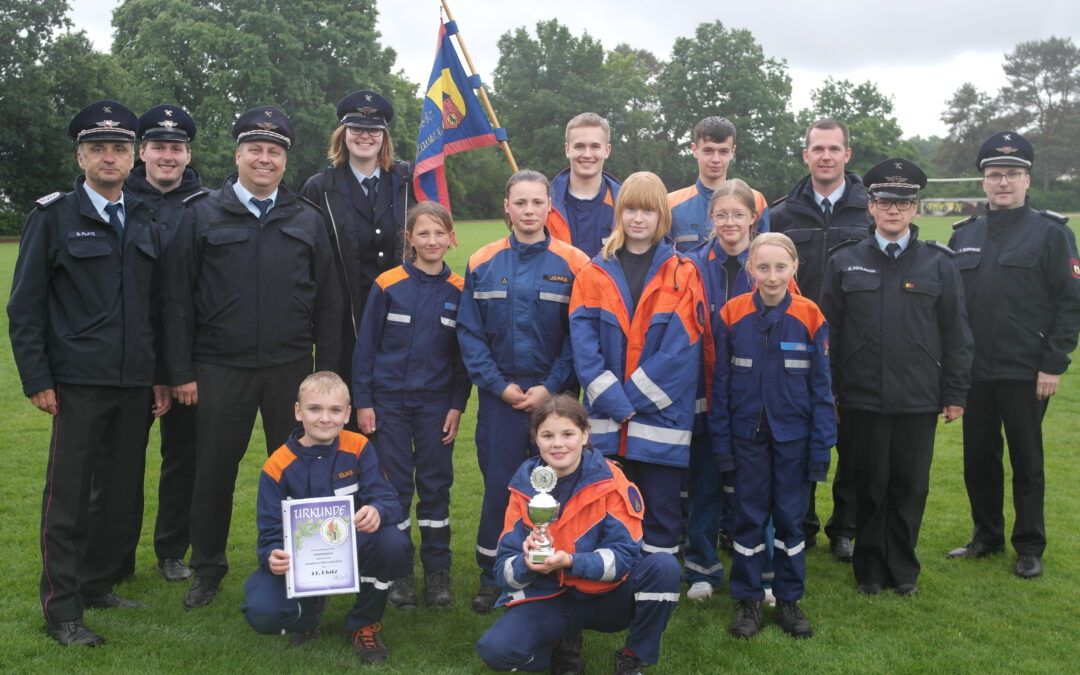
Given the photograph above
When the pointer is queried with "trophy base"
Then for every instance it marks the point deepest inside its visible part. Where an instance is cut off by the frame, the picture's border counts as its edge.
(538, 556)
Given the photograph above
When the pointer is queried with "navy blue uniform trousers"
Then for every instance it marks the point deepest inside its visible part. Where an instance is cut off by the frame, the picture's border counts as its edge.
(409, 438)
(661, 489)
(270, 612)
(708, 499)
(523, 637)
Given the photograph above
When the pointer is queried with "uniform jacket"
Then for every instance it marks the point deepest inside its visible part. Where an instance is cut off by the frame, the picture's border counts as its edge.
(408, 339)
(165, 206)
(645, 364)
(363, 248)
(799, 217)
(513, 323)
(249, 295)
(900, 341)
(1022, 281)
(600, 526)
(774, 369)
(563, 226)
(349, 467)
(81, 311)
(709, 258)
(691, 221)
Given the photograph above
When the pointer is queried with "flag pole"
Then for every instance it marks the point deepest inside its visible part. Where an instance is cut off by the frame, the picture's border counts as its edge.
(483, 93)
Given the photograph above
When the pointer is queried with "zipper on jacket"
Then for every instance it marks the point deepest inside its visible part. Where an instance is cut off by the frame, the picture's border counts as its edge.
(764, 355)
(344, 270)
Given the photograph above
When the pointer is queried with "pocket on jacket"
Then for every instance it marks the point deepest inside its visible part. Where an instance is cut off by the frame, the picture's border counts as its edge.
(397, 331)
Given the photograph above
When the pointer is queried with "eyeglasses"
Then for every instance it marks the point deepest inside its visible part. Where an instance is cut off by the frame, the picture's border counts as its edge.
(994, 178)
(360, 131)
(900, 204)
(722, 217)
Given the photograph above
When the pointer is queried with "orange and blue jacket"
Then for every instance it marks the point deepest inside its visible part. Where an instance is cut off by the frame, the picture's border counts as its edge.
(600, 526)
(640, 360)
(512, 322)
(691, 221)
(772, 371)
(588, 236)
(349, 466)
(407, 344)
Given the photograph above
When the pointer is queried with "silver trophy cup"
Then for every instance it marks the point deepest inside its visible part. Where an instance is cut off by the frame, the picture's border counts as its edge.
(543, 509)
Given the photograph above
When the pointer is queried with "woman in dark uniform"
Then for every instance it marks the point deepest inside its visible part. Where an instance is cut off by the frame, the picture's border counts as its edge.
(364, 195)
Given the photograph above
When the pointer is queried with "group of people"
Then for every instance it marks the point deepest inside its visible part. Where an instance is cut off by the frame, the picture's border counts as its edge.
(720, 346)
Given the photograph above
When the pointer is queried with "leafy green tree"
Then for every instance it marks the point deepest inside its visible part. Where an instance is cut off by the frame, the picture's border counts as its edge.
(218, 59)
(971, 116)
(722, 71)
(631, 82)
(868, 113)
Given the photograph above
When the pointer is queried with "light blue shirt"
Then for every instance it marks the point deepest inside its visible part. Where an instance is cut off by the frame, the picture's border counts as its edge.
(360, 177)
(100, 203)
(882, 242)
(245, 198)
(834, 196)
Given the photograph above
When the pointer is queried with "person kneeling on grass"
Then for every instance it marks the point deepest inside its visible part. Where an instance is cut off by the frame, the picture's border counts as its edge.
(322, 460)
(596, 577)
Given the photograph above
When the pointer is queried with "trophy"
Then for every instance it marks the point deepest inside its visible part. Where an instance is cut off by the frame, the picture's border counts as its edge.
(543, 509)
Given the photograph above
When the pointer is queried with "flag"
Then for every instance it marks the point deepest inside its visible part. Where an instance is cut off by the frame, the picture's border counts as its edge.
(451, 121)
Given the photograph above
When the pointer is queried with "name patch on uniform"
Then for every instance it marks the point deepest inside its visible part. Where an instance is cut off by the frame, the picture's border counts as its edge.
(635, 499)
(560, 278)
(1075, 268)
(968, 249)
(82, 233)
(860, 268)
(909, 285)
(452, 306)
(796, 347)
(345, 474)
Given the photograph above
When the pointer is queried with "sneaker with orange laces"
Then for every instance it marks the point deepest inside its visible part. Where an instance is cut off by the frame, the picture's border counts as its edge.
(368, 645)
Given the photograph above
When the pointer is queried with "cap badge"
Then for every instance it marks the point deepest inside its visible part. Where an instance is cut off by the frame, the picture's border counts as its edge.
(168, 124)
(367, 110)
(267, 126)
(108, 124)
(897, 179)
(1008, 149)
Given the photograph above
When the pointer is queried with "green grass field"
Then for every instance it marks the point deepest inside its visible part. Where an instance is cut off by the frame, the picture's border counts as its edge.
(971, 616)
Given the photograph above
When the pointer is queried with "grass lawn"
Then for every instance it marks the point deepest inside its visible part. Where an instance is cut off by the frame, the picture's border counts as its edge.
(972, 616)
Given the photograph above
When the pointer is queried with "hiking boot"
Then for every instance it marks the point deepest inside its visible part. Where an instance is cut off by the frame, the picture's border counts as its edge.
(747, 622)
(790, 618)
(484, 600)
(297, 639)
(566, 656)
(437, 591)
(368, 646)
(627, 663)
(402, 593)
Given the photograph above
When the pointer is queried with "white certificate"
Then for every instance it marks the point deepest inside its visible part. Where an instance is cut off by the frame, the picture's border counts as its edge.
(319, 535)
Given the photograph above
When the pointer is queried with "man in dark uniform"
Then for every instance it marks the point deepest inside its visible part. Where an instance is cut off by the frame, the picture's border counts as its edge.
(900, 353)
(824, 210)
(251, 288)
(1022, 280)
(163, 179)
(82, 321)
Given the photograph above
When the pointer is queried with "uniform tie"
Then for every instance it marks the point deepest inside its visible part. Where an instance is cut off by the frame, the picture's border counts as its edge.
(114, 219)
(263, 205)
(371, 185)
(826, 208)
(892, 249)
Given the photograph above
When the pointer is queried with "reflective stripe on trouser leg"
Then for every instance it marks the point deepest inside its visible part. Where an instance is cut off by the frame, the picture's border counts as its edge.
(393, 440)
(655, 583)
(380, 553)
(791, 494)
(700, 560)
(434, 476)
(754, 487)
(502, 442)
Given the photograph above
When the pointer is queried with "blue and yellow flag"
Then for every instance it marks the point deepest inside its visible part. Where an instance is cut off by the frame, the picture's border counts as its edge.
(451, 121)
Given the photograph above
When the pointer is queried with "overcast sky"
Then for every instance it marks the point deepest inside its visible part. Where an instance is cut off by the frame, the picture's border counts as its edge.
(918, 52)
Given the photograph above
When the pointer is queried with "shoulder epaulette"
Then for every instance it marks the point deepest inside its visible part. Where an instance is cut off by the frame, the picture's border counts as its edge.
(191, 198)
(846, 242)
(779, 201)
(965, 221)
(941, 247)
(1050, 214)
(43, 202)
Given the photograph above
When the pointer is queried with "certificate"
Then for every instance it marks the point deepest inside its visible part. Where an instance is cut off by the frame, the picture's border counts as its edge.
(319, 535)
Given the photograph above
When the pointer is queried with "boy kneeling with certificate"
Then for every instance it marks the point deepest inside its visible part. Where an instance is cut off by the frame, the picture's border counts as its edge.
(301, 559)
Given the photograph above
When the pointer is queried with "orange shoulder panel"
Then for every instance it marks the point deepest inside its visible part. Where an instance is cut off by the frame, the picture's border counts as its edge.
(573, 256)
(760, 203)
(557, 227)
(608, 199)
(737, 308)
(680, 196)
(487, 252)
(456, 281)
(391, 277)
(804, 309)
(276, 464)
(352, 442)
(594, 287)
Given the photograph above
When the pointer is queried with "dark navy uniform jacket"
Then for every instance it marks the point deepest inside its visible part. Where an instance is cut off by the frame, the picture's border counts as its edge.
(248, 294)
(408, 339)
(80, 311)
(900, 341)
(166, 207)
(1022, 280)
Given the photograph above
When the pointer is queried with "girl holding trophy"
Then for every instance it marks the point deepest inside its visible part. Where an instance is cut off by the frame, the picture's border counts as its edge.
(594, 576)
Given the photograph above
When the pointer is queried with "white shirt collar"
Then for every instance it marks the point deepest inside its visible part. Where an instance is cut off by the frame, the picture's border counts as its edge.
(100, 203)
(882, 242)
(245, 198)
(833, 196)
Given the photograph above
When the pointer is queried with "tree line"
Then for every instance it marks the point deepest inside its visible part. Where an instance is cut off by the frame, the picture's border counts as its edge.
(217, 59)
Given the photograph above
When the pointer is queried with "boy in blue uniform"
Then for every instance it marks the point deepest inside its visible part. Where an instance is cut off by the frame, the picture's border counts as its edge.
(583, 195)
(319, 461)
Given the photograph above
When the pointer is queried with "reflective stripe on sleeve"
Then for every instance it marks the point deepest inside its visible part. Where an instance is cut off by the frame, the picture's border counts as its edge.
(603, 425)
(508, 574)
(600, 384)
(650, 389)
(608, 556)
(658, 434)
